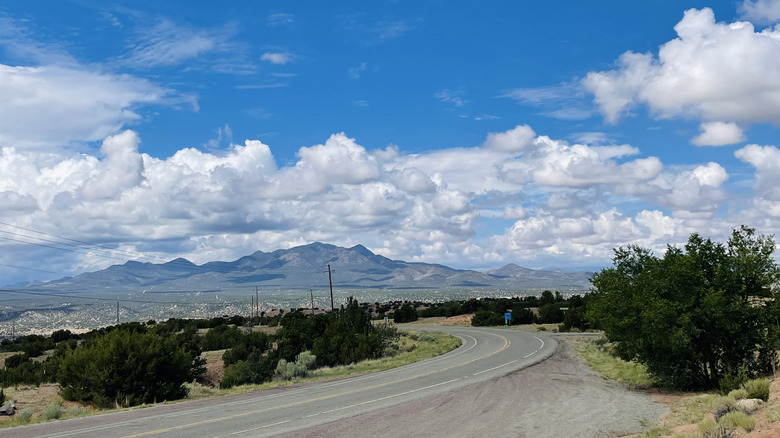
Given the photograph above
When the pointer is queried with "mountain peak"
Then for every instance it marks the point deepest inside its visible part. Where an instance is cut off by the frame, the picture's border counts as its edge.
(181, 261)
(362, 250)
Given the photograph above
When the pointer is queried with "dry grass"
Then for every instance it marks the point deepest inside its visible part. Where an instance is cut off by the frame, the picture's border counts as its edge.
(38, 399)
(458, 320)
(597, 356)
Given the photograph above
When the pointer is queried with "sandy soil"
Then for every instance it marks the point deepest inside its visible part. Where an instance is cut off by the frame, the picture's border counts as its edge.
(557, 398)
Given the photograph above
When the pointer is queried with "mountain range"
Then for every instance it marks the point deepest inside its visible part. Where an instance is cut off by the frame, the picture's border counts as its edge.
(305, 267)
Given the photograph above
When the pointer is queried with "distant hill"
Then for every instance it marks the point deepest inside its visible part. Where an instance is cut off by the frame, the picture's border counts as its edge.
(302, 268)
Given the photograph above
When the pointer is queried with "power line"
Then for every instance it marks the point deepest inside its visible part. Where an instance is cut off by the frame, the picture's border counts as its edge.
(37, 270)
(101, 253)
(53, 247)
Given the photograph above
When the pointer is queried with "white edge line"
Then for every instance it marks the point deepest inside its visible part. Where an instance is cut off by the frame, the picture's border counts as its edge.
(495, 368)
(389, 396)
(537, 350)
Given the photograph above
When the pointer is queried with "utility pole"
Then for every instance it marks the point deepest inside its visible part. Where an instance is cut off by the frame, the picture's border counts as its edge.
(117, 313)
(311, 292)
(330, 281)
(252, 307)
(257, 302)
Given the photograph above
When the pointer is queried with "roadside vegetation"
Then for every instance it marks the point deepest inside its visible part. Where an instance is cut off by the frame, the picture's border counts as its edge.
(704, 317)
(598, 354)
(567, 313)
(137, 364)
(750, 407)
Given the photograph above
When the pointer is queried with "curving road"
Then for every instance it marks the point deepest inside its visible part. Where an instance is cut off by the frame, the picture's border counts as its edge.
(486, 353)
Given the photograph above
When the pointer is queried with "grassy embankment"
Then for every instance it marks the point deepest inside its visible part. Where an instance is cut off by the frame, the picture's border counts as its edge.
(690, 414)
(413, 346)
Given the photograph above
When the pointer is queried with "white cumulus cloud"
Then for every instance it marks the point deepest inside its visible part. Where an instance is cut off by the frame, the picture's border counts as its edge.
(760, 11)
(766, 161)
(713, 71)
(52, 106)
(718, 134)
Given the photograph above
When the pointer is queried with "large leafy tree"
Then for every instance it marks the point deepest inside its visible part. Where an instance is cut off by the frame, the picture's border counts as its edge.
(696, 314)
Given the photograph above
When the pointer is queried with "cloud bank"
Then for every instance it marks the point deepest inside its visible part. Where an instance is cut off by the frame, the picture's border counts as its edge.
(543, 199)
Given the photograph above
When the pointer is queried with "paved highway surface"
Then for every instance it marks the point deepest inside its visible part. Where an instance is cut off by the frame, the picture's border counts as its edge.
(486, 353)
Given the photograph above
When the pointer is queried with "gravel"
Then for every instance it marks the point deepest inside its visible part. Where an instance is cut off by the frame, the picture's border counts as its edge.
(557, 398)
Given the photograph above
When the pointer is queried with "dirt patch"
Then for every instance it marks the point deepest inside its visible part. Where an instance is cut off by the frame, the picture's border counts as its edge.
(459, 320)
(214, 368)
(36, 398)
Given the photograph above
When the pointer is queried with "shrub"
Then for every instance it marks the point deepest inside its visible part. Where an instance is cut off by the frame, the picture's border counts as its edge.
(406, 313)
(724, 406)
(126, 367)
(738, 394)
(486, 318)
(346, 337)
(284, 369)
(235, 374)
(426, 337)
(2, 397)
(221, 337)
(52, 412)
(709, 429)
(256, 341)
(299, 368)
(773, 414)
(16, 360)
(25, 414)
(391, 351)
(77, 411)
(736, 419)
(521, 315)
(730, 382)
(306, 359)
(550, 314)
(706, 426)
(757, 388)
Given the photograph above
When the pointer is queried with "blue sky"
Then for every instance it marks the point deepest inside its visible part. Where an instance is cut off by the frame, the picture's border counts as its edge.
(469, 134)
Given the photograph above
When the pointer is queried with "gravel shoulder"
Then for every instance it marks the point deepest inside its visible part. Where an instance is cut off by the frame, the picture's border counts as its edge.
(557, 398)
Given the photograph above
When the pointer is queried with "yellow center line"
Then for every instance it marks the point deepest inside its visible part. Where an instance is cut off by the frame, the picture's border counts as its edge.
(326, 397)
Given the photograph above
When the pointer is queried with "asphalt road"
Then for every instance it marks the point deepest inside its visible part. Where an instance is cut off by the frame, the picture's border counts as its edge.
(484, 355)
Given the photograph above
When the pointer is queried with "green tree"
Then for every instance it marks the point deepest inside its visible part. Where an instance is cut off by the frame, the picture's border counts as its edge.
(349, 337)
(522, 315)
(550, 313)
(126, 367)
(406, 313)
(547, 298)
(484, 318)
(695, 315)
